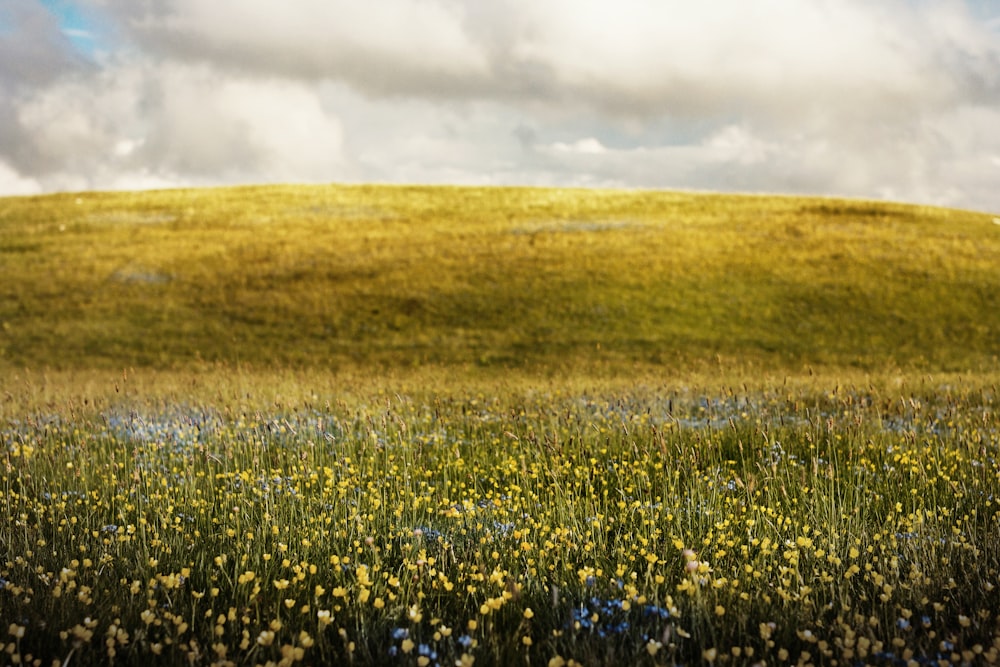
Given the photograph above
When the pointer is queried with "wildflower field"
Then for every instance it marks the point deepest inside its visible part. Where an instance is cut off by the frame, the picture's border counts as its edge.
(373, 432)
(848, 527)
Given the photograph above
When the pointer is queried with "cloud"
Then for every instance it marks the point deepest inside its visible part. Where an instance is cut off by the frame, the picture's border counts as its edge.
(185, 124)
(635, 57)
(414, 47)
(213, 126)
(587, 146)
(12, 183)
(892, 99)
(33, 49)
(33, 54)
(723, 158)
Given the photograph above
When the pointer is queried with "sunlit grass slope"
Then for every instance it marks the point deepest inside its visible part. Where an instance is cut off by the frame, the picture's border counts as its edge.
(332, 276)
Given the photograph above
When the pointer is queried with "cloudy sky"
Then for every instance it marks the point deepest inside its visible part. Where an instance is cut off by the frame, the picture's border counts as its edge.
(895, 99)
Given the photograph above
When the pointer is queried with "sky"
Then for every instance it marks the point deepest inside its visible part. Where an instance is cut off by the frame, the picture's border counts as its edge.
(876, 99)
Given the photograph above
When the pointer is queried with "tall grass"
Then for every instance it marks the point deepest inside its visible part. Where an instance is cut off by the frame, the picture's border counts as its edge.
(852, 525)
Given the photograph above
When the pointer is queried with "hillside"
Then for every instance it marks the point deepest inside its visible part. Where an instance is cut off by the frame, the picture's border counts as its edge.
(383, 276)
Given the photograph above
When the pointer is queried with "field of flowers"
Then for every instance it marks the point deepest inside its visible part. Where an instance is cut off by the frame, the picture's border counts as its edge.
(844, 526)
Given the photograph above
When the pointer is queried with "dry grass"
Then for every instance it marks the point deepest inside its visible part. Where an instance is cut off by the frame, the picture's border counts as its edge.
(547, 281)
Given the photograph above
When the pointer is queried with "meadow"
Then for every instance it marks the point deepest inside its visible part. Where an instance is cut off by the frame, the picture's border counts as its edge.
(453, 426)
(549, 281)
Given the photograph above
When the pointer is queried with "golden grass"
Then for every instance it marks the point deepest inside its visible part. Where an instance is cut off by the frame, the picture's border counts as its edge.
(550, 281)
(436, 426)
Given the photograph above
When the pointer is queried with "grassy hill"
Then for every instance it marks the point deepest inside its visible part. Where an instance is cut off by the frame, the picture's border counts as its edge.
(487, 424)
(335, 277)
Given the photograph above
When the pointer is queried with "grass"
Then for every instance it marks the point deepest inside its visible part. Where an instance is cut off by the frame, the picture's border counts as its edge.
(544, 280)
(446, 426)
(651, 527)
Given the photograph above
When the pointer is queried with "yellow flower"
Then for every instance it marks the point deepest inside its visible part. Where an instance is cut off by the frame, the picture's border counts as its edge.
(528, 613)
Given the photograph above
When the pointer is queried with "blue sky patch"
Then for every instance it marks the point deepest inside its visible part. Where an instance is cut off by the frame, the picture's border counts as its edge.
(81, 25)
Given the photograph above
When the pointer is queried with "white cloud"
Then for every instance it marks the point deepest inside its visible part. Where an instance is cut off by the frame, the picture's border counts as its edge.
(78, 33)
(636, 57)
(173, 124)
(587, 146)
(895, 98)
(735, 144)
(232, 128)
(12, 183)
(408, 46)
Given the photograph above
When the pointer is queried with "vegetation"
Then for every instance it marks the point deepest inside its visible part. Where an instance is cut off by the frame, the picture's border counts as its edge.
(545, 280)
(651, 528)
(452, 426)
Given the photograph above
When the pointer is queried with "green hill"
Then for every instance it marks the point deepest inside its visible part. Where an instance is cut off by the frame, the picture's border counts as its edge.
(377, 276)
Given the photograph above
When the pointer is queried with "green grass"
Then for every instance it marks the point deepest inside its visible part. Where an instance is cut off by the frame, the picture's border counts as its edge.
(546, 280)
